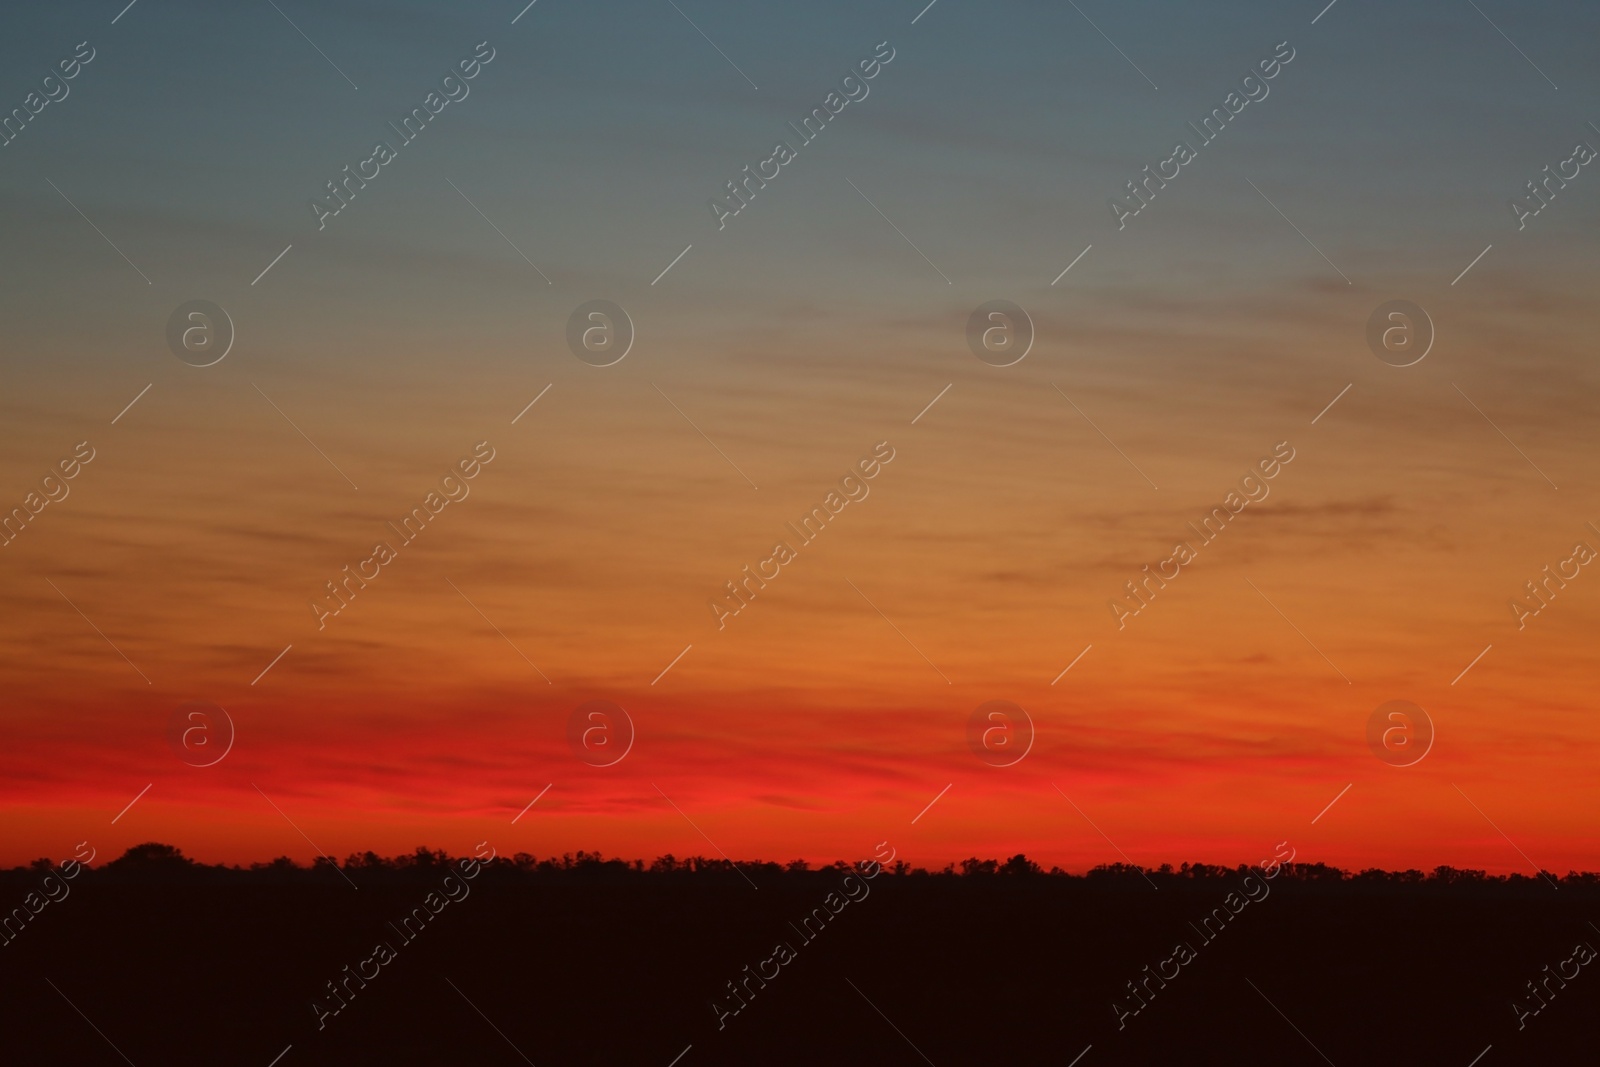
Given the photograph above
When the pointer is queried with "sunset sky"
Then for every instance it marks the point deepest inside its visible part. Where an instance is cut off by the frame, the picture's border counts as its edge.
(1178, 351)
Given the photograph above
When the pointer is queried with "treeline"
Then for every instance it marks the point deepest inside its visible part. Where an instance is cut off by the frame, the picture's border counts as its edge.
(158, 862)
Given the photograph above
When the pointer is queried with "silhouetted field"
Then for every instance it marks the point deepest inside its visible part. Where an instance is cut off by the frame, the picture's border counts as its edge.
(583, 961)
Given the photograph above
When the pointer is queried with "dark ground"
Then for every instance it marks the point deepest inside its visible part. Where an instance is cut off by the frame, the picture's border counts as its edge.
(179, 965)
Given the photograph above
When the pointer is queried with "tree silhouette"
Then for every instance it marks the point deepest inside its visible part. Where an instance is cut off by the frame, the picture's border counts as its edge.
(152, 856)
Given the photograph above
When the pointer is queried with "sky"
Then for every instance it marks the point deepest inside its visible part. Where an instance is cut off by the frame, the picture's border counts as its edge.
(1226, 321)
